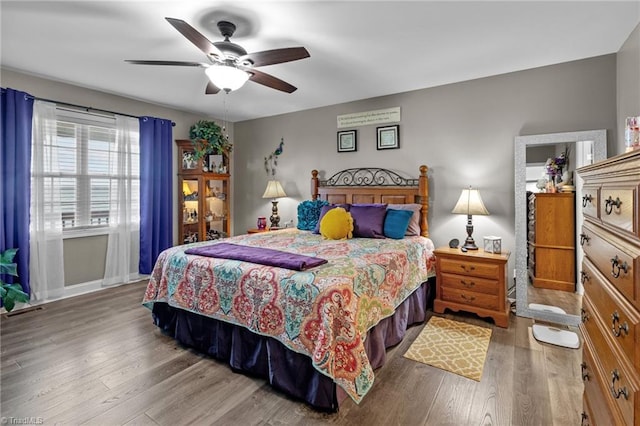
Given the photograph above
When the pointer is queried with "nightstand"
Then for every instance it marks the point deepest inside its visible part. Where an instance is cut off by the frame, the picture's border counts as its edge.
(256, 230)
(474, 281)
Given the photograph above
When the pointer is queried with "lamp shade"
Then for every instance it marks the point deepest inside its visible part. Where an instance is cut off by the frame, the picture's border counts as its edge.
(470, 203)
(226, 77)
(274, 190)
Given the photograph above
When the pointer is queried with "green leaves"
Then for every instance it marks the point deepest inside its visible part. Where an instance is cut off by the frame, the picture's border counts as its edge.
(10, 293)
(208, 138)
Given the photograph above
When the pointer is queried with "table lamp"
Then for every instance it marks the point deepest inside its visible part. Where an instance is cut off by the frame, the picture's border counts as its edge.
(470, 203)
(274, 190)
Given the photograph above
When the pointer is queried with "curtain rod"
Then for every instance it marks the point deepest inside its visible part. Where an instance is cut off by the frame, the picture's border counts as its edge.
(86, 108)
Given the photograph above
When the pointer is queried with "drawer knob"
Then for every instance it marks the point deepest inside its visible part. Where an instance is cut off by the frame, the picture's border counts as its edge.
(585, 374)
(610, 202)
(468, 298)
(584, 277)
(616, 327)
(584, 419)
(586, 199)
(584, 315)
(616, 267)
(467, 268)
(584, 238)
(468, 284)
(615, 376)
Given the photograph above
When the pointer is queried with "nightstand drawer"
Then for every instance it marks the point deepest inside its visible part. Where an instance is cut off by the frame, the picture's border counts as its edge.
(470, 298)
(617, 207)
(470, 268)
(475, 284)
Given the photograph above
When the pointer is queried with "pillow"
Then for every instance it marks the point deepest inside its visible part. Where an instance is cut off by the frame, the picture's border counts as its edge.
(368, 220)
(309, 214)
(336, 224)
(396, 223)
(323, 210)
(414, 223)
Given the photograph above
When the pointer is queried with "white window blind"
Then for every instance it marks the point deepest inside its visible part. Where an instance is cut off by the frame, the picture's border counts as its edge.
(83, 158)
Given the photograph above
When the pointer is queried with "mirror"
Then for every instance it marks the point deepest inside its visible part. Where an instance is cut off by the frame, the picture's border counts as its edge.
(586, 147)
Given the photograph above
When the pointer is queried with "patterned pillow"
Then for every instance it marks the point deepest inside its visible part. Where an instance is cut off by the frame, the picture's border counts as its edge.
(309, 214)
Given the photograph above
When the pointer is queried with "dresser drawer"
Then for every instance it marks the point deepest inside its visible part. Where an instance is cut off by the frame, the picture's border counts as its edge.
(475, 284)
(621, 318)
(618, 207)
(596, 407)
(589, 202)
(477, 269)
(470, 298)
(615, 379)
(618, 265)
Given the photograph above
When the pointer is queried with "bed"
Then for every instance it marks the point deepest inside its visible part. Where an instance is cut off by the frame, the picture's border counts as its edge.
(316, 334)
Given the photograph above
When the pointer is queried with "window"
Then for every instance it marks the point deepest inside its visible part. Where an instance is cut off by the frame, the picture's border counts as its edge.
(84, 159)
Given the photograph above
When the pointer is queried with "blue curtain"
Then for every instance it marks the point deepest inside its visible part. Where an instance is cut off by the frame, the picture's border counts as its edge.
(156, 189)
(16, 112)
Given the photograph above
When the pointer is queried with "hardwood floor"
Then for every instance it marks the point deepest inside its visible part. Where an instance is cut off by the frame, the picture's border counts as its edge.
(98, 359)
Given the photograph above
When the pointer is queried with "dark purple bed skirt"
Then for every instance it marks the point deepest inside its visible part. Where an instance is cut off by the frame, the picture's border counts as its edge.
(267, 358)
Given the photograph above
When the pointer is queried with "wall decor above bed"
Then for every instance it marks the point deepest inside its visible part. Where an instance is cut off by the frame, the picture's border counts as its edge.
(388, 137)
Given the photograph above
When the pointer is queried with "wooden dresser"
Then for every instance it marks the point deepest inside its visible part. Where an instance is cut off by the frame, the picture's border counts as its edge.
(551, 240)
(610, 237)
(474, 281)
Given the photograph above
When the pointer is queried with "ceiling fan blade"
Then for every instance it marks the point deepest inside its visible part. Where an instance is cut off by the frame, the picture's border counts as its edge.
(211, 89)
(174, 63)
(196, 38)
(268, 80)
(275, 56)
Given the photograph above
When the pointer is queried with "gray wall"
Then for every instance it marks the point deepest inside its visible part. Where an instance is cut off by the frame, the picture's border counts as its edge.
(628, 83)
(84, 258)
(463, 132)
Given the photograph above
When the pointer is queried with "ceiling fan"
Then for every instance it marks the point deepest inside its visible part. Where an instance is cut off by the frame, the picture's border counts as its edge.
(230, 66)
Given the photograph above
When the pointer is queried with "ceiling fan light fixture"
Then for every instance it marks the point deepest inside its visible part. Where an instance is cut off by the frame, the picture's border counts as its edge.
(226, 77)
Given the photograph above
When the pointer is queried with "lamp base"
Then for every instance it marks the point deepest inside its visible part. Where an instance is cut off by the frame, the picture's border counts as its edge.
(470, 244)
(274, 218)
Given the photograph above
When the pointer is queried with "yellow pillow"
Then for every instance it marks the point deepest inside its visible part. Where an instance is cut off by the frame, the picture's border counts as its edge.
(337, 224)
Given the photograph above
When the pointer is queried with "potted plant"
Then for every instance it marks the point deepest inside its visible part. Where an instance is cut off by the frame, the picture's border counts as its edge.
(209, 138)
(10, 293)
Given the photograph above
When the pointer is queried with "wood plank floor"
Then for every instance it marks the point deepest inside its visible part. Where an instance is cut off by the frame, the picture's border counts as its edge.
(98, 359)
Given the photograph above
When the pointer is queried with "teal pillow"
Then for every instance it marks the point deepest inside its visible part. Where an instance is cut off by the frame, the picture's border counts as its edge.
(309, 214)
(396, 223)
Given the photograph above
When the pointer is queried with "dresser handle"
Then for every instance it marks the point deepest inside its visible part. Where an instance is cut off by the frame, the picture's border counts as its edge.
(621, 391)
(467, 284)
(616, 267)
(617, 331)
(586, 199)
(610, 202)
(584, 238)
(467, 268)
(584, 418)
(468, 298)
(585, 374)
(584, 315)
(584, 277)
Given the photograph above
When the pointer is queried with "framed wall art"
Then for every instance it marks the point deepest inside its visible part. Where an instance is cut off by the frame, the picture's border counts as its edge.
(347, 141)
(388, 137)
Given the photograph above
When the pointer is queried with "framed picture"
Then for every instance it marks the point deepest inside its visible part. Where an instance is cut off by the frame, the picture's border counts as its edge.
(347, 141)
(216, 163)
(389, 137)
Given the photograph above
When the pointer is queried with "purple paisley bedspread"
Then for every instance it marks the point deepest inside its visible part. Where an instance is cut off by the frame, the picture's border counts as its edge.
(260, 255)
(324, 312)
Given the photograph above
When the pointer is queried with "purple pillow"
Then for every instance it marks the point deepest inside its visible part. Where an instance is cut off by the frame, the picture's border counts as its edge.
(368, 220)
(324, 211)
(414, 223)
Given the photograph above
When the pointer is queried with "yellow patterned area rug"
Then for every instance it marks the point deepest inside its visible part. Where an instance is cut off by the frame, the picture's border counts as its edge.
(453, 346)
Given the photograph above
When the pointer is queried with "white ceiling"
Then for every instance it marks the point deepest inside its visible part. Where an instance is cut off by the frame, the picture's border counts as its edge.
(359, 49)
